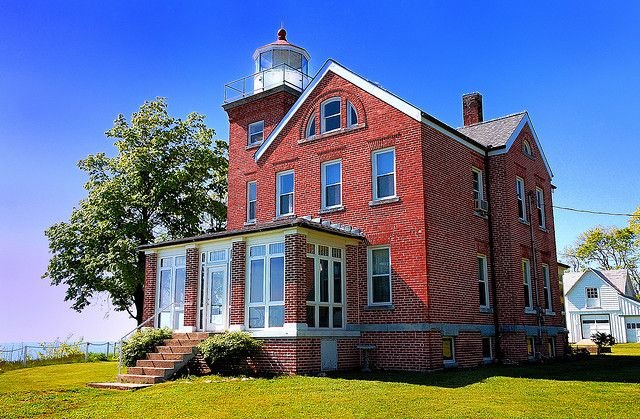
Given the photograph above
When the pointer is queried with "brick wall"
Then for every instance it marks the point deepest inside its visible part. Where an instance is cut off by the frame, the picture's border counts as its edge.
(191, 287)
(295, 279)
(150, 279)
(238, 274)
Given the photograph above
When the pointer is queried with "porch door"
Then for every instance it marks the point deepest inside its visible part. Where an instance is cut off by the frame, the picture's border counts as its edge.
(171, 283)
(216, 307)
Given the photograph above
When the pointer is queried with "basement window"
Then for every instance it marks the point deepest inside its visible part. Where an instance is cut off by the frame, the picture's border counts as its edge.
(448, 350)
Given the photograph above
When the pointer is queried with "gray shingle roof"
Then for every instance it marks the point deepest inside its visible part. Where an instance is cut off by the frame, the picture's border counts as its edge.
(495, 132)
(617, 278)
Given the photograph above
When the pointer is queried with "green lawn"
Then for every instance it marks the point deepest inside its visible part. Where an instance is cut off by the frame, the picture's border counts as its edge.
(608, 386)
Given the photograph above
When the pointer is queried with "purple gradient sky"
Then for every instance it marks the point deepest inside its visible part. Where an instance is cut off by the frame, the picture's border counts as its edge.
(67, 69)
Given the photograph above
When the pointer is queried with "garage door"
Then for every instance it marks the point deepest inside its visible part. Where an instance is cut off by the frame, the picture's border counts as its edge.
(595, 323)
(633, 329)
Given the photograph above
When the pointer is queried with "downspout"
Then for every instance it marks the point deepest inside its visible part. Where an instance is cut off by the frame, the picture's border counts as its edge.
(534, 269)
(492, 269)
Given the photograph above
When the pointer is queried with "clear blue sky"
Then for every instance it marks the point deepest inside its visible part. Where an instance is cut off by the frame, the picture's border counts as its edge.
(67, 69)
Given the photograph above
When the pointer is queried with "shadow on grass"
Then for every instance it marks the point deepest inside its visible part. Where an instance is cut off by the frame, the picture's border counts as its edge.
(615, 369)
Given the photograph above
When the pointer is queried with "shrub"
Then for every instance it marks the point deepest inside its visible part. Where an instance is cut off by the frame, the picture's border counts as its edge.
(602, 340)
(226, 352)
(141, 343)
(61, 350)
(97, 357)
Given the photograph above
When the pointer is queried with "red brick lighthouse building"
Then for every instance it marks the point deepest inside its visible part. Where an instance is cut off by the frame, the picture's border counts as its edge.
(357, 220)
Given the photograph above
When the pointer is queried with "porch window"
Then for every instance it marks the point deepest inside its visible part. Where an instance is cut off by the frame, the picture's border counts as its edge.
(325, 276)
(266, 286)
(379, 276)
(547, 287)
(171, 291)
(526, 279)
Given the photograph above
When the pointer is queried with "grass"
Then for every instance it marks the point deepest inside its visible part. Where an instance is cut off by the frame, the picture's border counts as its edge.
(70, 359)
(607, 386)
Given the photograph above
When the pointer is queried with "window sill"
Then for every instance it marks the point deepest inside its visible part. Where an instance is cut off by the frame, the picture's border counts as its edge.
(481, 214)
(254, 145)
(543, 229)
(250, 223)
(332, 209)
(450, 364)
(284, 217)
(486, 310)
(550, 313)
(384, 201)
(529, 311)
(525, 222)
(380, 307)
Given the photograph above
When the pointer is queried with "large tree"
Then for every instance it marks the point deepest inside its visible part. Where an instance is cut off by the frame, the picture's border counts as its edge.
(608, 248)
(167, 179)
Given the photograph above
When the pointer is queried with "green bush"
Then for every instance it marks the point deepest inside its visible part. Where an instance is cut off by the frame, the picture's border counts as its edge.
(61, 349)
(97, 357)
(603, 340)
(141, 343)
(226, 352)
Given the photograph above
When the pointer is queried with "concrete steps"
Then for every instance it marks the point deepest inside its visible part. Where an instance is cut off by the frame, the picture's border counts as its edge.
(167, 359)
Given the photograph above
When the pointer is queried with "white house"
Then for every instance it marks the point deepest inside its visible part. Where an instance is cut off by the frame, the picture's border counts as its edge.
(601, 301)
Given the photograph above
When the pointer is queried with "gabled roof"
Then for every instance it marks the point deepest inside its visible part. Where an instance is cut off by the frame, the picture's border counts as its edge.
(618, 279)
(478, 137)
(499, 134)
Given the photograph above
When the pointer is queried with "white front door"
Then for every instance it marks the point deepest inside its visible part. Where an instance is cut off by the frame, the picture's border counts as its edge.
(170, 300)
(215, 301)
(595, 323)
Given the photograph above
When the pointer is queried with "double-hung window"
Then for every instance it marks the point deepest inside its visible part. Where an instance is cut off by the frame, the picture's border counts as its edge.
(483, 281)
(526, 279)
(379, 276)
(330, 111)
(256, 132)
(542, 221)
(325, 279)
(593, 297)
(266, 285)
(285, 193)
(384, 174)
(252, 199)
(331, 184)
(520, 194)
(478, 190)
(547, 288)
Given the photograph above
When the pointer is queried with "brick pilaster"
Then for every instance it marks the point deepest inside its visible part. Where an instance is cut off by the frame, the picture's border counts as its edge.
(295, 270)
(353, 305)
(150, 279)
(191, 287)
(238, 273)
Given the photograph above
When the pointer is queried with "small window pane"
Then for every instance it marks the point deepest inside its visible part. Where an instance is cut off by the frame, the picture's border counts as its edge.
(447, 349)
(286, 183)
(380, 261)
(166, 262)
(331, 123)
(337, 317)
(276, 283)
(311, 248)
(286, 204)
(178, 295)
(333, 195)
(353, 115)
(324, 281)
(381, 289)
(256, 131)
(276, 248)
(252, 191)
(180, 260)
(337, 282)
(295, 60)
(384, 162)
(257, 281)
(280, 56)
(336, 253)
(256, 317)
(323, 316)
(483, 294)
(257, 250)
(265, 60)
(332, 173)
(311, 127)
(386, 186)
(276, 316)
(332, 108)
(323, 250)
(311, 279)
(311, 316)
(165, 288)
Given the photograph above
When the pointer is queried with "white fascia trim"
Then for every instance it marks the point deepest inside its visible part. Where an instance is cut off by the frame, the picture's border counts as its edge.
(580, 279)
(454, 137)
(354, 79)
(525, 121)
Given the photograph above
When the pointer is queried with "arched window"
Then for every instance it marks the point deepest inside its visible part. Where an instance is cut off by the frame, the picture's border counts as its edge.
(352, 115)
(330, 112)
(311, 127)
(526, 148)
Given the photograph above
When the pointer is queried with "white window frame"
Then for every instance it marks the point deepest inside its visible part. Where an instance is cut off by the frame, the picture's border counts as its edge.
(526, 280)
(307, 130)
(546, 276)
(331, 304)
(266, 302)
(350, 122)
(249, 133)
(323, 117)
(453, 350)
(484, 281)
(478, 194)
(254, 201)
(521, 197)
(540, 206)
(324, 184)
(370, 277)
(589, 300)
(374, 171)
(292, 193)
(175, 309)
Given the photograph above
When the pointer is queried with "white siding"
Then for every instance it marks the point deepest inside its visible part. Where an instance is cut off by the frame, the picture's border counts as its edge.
(576, 298)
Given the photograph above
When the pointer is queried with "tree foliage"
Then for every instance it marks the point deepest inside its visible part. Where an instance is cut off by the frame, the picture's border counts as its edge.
(166, 180)
(608, 248)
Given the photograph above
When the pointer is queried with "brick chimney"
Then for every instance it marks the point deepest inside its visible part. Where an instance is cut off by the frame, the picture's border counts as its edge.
(472, 108)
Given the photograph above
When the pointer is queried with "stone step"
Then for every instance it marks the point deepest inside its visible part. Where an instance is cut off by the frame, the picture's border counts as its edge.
(140, 379)
(155, 356)
(153, 371)
(182, 342)
(191, 335)
(158, 363)
(174, 349)
(118, 386)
